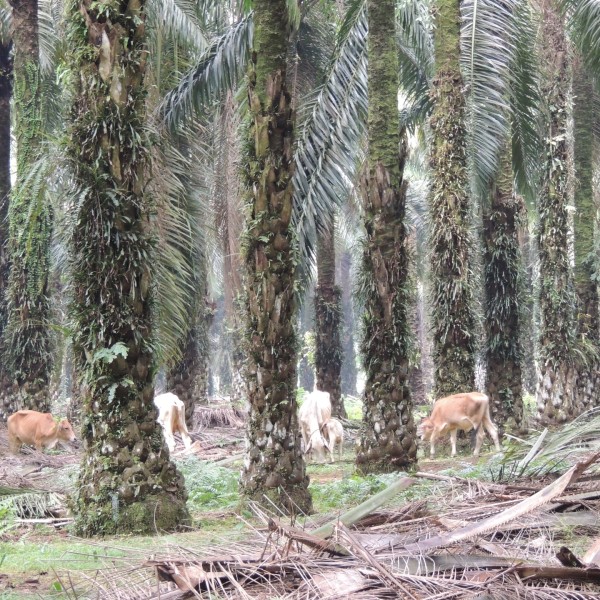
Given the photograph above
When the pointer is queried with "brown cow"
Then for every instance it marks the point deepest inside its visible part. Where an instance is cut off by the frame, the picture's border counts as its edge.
(37, 429)
(460, 411)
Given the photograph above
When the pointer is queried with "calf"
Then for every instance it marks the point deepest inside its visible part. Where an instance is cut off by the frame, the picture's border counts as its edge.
(460, 411)
(315, 410)
(37, 429)
(333, 434)
(171, 416)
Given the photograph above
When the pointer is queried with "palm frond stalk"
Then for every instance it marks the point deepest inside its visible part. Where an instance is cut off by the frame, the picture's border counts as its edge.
(349, 372)
(26, 344)
(387, 441)
(274, 467)
(126, 482)
(452, 313)
(6, 75)
(556, 378)
(328, 318)
(501, 261)
(586, 261)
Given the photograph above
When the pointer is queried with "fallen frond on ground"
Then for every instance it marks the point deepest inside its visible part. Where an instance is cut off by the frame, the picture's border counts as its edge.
(467, 539)
(218, 416)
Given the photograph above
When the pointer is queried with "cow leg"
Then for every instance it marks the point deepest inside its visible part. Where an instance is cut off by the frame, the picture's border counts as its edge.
(14, 443)
(479, 439)
(493, 431)
(453, 441)
(432, 443)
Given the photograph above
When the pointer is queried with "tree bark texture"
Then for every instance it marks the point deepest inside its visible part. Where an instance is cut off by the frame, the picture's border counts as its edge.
(27, 335)
(502, 261)
(274, 466)
(328, 322)
(349, 371)
(452, 312)
(6, 79)
(127, 482)
(586, 260)
(556, 379)
(387, 440)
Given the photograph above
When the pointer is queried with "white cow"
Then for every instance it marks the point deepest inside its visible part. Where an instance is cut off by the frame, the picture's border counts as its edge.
(313, 413)
(171, 416)
(333, 434)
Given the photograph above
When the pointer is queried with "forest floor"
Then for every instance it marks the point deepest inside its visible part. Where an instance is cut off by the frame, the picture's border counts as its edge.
(39, 558)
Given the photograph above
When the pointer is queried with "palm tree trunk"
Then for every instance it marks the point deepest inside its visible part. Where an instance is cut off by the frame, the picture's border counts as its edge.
(588, 377)
(274, 467)
(388, 438)
(450, 239)
(126, 482)
(328, 313)
(27, 343)
(6, 76)
(529, 325)
(556, 379)
(501, 275)
(349, 371)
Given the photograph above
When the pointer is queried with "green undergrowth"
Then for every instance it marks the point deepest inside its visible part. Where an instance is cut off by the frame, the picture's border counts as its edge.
(209, 486)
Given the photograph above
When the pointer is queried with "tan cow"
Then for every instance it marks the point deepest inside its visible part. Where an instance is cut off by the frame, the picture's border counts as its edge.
(333, 434)
(315, 410)
(37, 429)
(460, 411)
(171, 416)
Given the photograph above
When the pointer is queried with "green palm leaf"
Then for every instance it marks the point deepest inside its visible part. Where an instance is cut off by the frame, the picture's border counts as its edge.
(220, 68)
(329, 141)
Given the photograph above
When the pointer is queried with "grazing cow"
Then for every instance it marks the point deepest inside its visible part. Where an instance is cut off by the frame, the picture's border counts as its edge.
(333, 434)
(315, 410)
(37, 429)
(460, 411)
(171, 416)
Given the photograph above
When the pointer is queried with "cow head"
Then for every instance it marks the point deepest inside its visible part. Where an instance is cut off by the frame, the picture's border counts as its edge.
(65, 431)
(425, 428)
(316, 446)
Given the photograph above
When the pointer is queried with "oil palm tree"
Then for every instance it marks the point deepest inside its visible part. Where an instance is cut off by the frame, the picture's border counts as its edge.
(556, 378)
(6, 67)
(126, 482)
(453, 320)
(26, 336)
(274, 466)
(388, 437)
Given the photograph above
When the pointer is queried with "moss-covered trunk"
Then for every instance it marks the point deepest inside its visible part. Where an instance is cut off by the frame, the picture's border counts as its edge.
(349, 371)
(274, 466)
(6, 75)
(328, 317)
(527, 317)
(387, 440)
(127, 482)
(501, 280)
(27, 336)
(586, 260)
(556, 378)
(452, 312)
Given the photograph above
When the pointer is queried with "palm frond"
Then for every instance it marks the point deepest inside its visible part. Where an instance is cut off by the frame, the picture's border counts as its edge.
(49, 36)
(181, 236)
(328, 143)
(488, 39)
(176, 20)
(5, 23)
(218, 70)
(415, 40)
(583, 22)
(525, 103)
